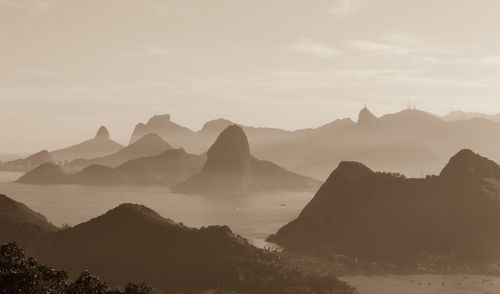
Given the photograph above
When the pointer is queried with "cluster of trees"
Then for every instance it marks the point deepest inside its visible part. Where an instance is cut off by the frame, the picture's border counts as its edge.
(19, 274)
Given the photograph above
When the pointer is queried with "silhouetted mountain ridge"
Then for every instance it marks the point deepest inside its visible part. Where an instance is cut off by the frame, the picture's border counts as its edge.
(19, 223)
(384, 216)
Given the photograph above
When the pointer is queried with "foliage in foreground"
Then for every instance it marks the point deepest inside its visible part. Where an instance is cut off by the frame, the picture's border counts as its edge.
(19, 274)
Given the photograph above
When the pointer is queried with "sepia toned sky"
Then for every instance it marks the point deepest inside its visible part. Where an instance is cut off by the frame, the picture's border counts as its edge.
(68, 66)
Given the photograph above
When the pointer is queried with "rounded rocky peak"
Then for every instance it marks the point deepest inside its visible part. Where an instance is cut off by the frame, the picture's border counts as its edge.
(233, 138)
(366, 117)
(467, 163)
(102, 133)
(230, 152)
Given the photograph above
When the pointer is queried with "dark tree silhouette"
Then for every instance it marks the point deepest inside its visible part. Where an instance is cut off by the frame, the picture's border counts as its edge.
(19, 274)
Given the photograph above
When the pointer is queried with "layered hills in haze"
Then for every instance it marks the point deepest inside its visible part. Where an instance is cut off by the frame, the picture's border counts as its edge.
(387, 217)
(462, 115)
(148, 145)
(166, 168)
(28, 163)
(411, 141)
(230, 168)
(98, 146)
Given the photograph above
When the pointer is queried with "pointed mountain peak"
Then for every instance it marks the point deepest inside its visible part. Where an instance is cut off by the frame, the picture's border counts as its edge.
(366, 117)
(469, 164)
(102, 133)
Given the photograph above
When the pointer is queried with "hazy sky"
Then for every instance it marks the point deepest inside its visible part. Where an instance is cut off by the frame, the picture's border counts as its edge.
(68, 66)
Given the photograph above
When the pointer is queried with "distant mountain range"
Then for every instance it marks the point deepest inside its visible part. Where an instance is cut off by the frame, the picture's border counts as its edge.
(229, 168)
(27, 163)
(412, 142)
(148, 145)
(100, 145)
(386, 217)
(461, 115)
(134, 243)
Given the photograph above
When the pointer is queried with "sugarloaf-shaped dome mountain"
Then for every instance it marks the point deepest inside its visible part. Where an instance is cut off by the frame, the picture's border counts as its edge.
(230, 168)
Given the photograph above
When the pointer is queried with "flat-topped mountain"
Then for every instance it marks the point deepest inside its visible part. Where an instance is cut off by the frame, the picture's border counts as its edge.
(148, 145)
(20, 223)
(98, 146)
(27, 163)
(230, 168)
(381, 216)
(163, 126)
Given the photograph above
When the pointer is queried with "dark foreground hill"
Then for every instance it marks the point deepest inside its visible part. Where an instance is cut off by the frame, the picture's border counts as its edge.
(21, 274)
(134, 243)
(230, 168)
(386, 217)
(20, 223)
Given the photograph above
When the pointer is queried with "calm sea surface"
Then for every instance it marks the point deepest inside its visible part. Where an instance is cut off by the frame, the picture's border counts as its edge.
(253, 216)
